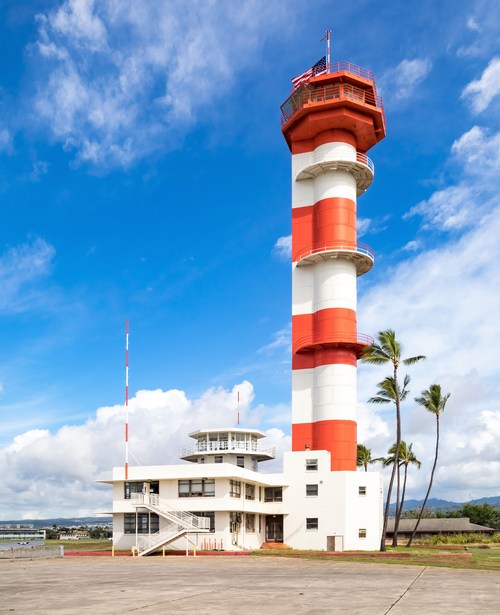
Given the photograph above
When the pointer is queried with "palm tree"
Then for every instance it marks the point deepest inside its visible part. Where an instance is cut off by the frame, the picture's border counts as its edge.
(406, 457)
(389, 350)
(433, 401)
(364, 457)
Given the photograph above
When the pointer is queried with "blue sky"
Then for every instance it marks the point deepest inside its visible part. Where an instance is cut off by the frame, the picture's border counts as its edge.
(143, 175)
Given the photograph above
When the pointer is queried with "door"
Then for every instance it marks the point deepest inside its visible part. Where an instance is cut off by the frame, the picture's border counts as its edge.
(274, 528)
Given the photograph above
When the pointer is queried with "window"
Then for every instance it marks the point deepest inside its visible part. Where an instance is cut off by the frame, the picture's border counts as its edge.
(311, 465)
(362, 490)
(209, 515)
(311, 523)
(240, 461)
(249, 492)
(235, 521)
(201, 460)
(235, 488)
(132, 488)
(197, 487)
(146, 523)
(362, 533)
(311, 490)
(273, 494)
(250, 523)
(217, 458)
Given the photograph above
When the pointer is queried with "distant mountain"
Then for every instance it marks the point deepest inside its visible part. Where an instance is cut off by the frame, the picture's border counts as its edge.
(444, 505)
(60, 521)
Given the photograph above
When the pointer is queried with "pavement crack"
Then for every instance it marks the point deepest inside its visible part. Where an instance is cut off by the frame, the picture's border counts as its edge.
(406, 590)
(161, 602)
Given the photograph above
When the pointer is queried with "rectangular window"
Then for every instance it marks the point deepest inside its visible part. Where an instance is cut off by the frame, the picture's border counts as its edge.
(235, 488)
(362, 533)
(132, 488)
(249, 492)
(311, 523)
(240, 461)
(311, 465)
(362, 490)
(146, 523)
(197, 487)
(210, 515)
(311, 490)
(217, 458)
(273, 494)
(235, 521)
(250, 523)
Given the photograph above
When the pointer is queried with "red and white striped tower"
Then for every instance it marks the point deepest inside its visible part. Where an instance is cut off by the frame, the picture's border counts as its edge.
(329, 123)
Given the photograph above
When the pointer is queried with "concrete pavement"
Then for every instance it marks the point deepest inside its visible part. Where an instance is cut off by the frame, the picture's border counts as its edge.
(242, 585)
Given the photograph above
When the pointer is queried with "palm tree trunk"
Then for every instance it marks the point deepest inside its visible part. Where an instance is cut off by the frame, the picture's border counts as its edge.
(403, 491)
(394, 467)
(397, 510)
(430, 485)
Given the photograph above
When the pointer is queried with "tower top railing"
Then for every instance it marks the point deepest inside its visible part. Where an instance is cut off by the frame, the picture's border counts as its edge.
(349, 67)
(317, 92)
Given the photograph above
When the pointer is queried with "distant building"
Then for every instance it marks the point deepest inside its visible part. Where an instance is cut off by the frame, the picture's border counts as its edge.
(21, 532)
(74, 535)
(433, 527)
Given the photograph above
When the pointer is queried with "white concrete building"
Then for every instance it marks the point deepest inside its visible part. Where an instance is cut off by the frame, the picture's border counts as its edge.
(222, 501)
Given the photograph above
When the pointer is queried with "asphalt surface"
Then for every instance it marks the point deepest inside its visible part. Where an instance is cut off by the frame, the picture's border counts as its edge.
(241, 585)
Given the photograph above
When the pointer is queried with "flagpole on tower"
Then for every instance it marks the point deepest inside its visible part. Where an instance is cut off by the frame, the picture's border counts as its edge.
(328, 37)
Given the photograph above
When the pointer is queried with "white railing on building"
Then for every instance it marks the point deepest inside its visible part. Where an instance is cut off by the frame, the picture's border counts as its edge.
(339, 154)
(214, 447)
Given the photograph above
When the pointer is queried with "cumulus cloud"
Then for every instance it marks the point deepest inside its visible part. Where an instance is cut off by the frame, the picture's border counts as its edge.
(283, 247)
(402, 80)
(459, 206)
(48, 474)
(444, 303)
(120, 80)
(22, 269)
(482, 91)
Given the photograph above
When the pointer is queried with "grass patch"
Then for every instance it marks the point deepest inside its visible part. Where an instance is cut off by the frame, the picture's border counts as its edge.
(82, 545)
(478, 558)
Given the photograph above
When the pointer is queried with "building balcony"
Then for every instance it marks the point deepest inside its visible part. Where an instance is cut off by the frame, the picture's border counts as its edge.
(361, 254)
(341, 159)
(356, 342)
(220, 448)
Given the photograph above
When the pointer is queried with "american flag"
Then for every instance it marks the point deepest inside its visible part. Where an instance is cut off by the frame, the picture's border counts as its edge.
(318, 69)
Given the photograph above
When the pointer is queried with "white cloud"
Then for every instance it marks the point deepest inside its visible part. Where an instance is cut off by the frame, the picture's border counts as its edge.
(402, 80)
(5, 140)
(282, 340)
(363, 224)
(283, 247)
(39, 168)
(412, 246)
(47, 474)
(482, 91)
(22, 269)
(459, 206)
(121, 80)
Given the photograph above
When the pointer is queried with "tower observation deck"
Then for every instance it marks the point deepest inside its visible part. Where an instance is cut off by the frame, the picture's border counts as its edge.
(329, 123)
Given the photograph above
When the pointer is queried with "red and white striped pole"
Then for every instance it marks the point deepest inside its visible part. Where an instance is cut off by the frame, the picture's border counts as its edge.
(126, 400)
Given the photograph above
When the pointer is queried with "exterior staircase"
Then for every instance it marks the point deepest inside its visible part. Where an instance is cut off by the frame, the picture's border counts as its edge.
(179, 523)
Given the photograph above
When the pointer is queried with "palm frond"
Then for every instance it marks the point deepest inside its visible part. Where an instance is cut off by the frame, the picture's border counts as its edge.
(413, 360)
